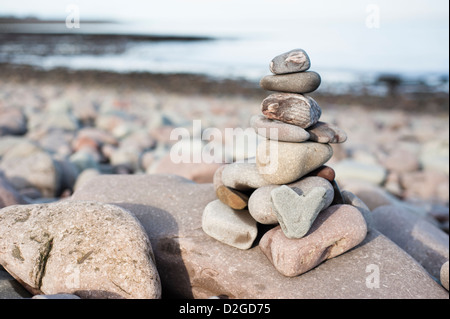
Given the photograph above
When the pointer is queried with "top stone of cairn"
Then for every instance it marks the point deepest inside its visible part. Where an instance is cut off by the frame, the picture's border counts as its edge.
(290, 62)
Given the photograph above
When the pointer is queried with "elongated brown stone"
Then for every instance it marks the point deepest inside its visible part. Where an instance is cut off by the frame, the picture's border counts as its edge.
(232, 198)
(296, 109)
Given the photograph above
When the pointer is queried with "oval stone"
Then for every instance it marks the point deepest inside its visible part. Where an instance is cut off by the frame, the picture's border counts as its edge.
(304, 82)
(291, 108)
(296, 60)
(243, 176)
(283, 163)
(336, 230)
(235, 228)
(276, 130)
(322, 132)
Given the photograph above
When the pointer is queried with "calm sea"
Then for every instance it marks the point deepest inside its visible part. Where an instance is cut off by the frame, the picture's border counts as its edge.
(344, 54)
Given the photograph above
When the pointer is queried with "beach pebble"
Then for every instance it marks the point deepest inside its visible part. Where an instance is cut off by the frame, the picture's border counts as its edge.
(325, 172)
(232, 198)
(282, 163)
(96, 250)
(304, 82)
(296, 60)
(8, 195)
(85, 158)
(372, 195)
(235, 228)
(401, 160)
(351, 199)
(260, 201)
(444, 275)
(12, 122)
(422, 240)
(295, 109)
(276, 130)
(243, 176)
(428, 185)
(322, 132)
(336, 230)
(295, 212)
(27, 165)
(349, 169)
(434, 156)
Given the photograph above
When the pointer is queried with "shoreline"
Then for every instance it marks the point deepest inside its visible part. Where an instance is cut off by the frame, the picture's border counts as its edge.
(198, 84)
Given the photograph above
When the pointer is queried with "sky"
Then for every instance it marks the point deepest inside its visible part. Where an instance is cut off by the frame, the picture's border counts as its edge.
(432, 11)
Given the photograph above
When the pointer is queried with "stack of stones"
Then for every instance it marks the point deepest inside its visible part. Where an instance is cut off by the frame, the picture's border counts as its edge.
(288, 187)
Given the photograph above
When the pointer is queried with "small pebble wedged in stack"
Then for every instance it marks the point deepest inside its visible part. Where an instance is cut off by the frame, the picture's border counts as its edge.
(289, 186)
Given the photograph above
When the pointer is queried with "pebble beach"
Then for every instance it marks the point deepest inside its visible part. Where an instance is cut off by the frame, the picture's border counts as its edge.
(90, 145)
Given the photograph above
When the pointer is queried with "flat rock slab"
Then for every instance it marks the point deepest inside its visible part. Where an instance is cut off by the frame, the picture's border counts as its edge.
(424, 241)
(192, 264)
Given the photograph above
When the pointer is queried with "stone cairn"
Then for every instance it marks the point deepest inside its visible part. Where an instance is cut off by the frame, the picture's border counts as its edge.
(288, 187)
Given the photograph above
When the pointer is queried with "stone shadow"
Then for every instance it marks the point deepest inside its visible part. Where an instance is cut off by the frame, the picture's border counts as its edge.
(162, 230)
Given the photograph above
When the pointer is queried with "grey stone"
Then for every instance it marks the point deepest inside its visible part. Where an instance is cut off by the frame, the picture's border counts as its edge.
(235, 228)
(276, 130)
(296, 213)
(260, 202)
(243, 176)
(354, 170)
(322, 132)
(296, 60)
(282, 163)
(27, 165)
(304, 82)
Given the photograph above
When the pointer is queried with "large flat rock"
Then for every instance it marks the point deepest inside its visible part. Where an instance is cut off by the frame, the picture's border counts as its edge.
(193, 265)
